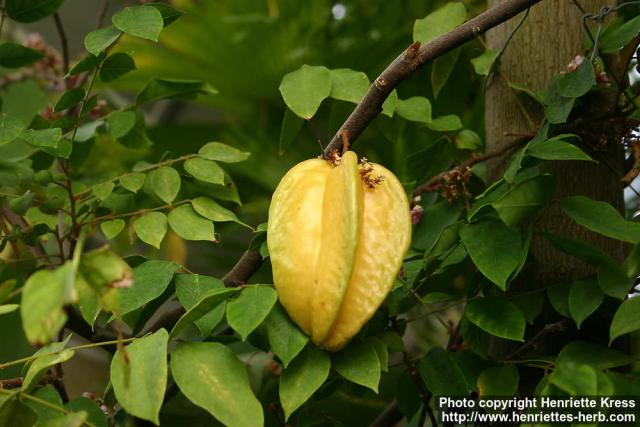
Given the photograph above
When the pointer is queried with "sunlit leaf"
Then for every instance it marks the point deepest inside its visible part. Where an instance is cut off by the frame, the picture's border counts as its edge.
(304, 90)
(198, 366)
(189, 225)
(246, 312)
(151, 228)
(139, 375)
(141, 21)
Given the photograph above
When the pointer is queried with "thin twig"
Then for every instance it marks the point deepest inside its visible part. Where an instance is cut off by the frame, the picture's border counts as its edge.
(435, 182)
(102, 13)
(64, 43)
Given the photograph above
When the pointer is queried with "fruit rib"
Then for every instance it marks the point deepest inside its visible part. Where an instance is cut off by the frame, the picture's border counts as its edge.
(385, 238)
(294, 235)
(341, 223)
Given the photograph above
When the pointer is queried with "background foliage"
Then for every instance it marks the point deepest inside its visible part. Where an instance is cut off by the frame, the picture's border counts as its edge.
(136, 173)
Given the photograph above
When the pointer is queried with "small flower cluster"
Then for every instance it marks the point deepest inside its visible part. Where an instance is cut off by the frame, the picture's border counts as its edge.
(367, 175)
(454, 184)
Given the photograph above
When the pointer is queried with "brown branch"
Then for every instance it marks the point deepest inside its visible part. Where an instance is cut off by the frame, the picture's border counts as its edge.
(64, 43)
(435, 182)
(17, 382)
(247, 265)
(414, 58)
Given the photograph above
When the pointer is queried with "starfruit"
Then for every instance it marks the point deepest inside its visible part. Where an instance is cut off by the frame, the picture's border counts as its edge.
(337, 234)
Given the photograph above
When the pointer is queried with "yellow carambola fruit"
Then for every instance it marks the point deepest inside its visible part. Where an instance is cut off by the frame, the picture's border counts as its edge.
(336, 237)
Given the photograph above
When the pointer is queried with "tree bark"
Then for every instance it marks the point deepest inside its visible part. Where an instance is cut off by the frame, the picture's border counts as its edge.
(551, 36)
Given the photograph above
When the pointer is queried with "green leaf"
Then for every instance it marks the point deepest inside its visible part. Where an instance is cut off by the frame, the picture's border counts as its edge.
(585, 297)
(468, 140)
(74, 419)
(21, 204)
(169, 13)
(14, 413)
(435, 218)
(41, 365)
(577, 248)
(13, 55)
(190, 226)
(389, 105)
(151, 228)
(416, 108)
(222, 153)
(150, 279)
(285, 338)
(116, 66)
(556, 149)
(589, 353)
(69, 99)
(498, 381)
(210, 301)
(48, 356)
(97, 41)
(482, 64)
(439, 22)
(304, 90)
(441, 70)
(140, 21)
(43, 297)
(348, 85)
(447, 123)
(530, 304)
(575, 379)
(101, 276)
(8, 308)
(576, 83)
(383, 353)
(112, 228)
(31, 10)
(133, 181)
(207, 374)
(559, 298)
(191, 289)
(441, 374)
(497, 316)
(165, 182)
(600, 217)
(358, 363)
(494, 248)
(619, 37)
(626, 319)
(139, 375)
(246, 312)
(44, 138)
(205, 170)
(103, 190)
(213, 211)
(95, 414)
(525, 199)
(302, 378)
(88, 63)
(10, 128)
(613, 280)
(157, 89)
(120, 123)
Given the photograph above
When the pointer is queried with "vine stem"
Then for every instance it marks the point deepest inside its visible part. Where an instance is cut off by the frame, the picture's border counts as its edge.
(77, 347)
(414, 58)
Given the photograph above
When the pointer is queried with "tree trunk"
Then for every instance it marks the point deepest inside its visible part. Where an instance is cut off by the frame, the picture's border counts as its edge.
(549, 39)
(551, 36)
